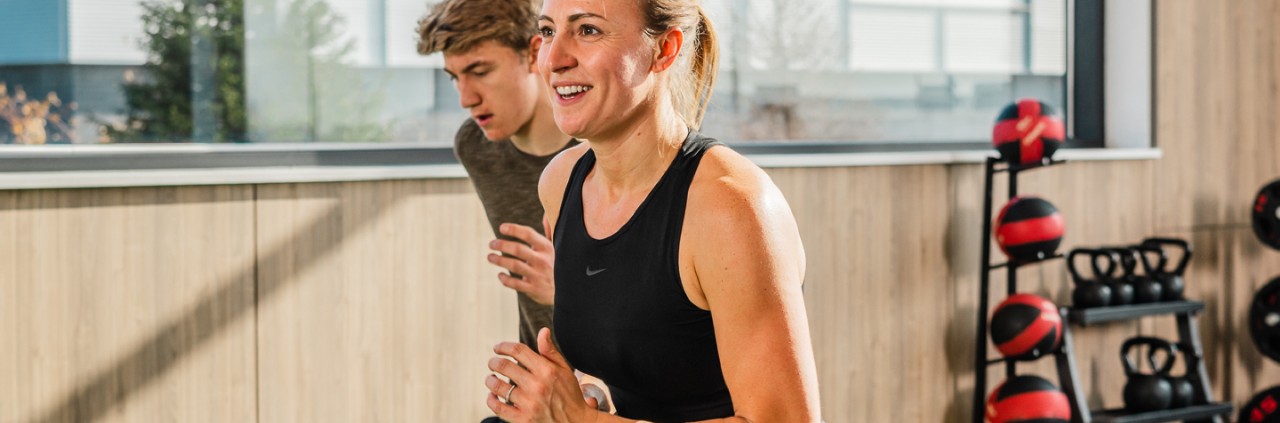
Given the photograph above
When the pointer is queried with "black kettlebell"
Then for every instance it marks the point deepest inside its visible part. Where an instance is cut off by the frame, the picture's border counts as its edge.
(1184, 392)
(1147, 392)
(1171, 279)
(1146, 289)
(1121, 287)
(1089, 293)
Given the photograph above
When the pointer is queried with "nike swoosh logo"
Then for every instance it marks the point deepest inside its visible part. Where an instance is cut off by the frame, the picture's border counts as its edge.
(594, 272)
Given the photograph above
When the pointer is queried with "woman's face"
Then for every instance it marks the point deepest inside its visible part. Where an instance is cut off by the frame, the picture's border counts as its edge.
(596, 58)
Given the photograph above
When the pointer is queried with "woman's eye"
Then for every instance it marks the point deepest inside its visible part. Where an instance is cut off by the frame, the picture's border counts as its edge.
(545, 32)
(590, 30)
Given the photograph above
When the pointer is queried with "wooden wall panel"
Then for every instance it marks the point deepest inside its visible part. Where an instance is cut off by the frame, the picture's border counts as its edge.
(127, 305)
(376, 302)
(877, 290)
(1218, 105)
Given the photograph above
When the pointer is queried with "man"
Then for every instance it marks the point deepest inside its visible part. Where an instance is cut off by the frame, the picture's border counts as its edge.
(511, 136)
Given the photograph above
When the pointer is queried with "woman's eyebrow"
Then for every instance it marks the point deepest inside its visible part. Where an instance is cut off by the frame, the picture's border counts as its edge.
(573, 17)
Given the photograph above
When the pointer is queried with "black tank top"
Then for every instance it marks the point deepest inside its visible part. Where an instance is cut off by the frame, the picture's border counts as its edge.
(621, 313)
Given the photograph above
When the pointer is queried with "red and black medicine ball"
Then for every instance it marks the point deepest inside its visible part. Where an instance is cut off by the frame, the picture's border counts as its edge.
(1029, 228)
(1263, 408)
(1027, 132)
(1026, 399)
(1026, 326)
(1266, 214)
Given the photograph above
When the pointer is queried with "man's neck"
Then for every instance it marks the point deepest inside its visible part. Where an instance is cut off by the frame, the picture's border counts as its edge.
(540, 136)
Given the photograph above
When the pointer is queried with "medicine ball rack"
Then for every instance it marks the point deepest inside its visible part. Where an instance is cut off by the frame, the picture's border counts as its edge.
(1068, 374)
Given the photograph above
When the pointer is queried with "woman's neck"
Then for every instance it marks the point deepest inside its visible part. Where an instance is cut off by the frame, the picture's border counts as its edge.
(634, 156)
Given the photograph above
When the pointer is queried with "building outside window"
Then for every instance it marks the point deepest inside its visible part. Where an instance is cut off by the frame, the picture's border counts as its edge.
(290, 71)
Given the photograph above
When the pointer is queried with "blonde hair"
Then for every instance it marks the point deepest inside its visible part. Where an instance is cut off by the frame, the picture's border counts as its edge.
(694, 75)
(457, 26)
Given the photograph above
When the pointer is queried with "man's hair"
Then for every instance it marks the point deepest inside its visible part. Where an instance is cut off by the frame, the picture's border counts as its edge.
(457, 26)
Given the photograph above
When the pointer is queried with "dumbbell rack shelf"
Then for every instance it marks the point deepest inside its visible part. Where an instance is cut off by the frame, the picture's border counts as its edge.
(1089, 316)
(1068, 375)
(1188, 341)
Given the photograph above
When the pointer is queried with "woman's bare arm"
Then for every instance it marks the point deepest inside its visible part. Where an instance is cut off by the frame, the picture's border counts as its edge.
(748, 265)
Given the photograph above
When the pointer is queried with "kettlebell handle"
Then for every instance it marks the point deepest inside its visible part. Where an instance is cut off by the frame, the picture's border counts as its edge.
(1128, 261)
(1144, 252)
(1153, 345)
(1179, 243)
(1071, 263)
(1111, 257)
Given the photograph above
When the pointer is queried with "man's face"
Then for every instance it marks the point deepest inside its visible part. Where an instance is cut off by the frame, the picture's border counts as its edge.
(498, 85)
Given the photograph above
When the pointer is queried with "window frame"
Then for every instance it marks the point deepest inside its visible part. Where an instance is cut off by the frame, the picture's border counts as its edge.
(1086, 116)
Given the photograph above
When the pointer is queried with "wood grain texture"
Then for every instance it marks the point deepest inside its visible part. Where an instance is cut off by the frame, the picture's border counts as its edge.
(127, 305)
(376, 303)
(1218, 69)
(876, 287)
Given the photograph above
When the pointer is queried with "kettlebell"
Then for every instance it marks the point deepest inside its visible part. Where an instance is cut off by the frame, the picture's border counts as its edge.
(1121, 288)
(1171, 279)
(1147, 392)
(1146, 289)
(1089, 293)
(1184, 392)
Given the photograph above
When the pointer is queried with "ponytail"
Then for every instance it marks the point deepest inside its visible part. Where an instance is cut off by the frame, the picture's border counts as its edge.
(695, 73)
(706, 62)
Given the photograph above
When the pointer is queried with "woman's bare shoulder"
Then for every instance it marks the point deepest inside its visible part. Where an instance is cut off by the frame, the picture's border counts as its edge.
(555, 177)
(729, 182)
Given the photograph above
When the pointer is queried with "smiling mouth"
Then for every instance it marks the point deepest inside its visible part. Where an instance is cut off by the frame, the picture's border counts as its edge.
(570, 92)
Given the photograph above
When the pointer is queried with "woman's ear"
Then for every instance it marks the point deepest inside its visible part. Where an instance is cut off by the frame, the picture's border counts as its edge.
(669, 45)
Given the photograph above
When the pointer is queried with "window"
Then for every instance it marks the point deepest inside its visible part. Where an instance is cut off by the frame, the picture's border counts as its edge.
(919, 72)
(883, 70)
(263, 71)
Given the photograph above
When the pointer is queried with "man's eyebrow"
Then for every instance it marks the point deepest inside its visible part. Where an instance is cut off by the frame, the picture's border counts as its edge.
(467, 69)
(473, 66)
(573, 17)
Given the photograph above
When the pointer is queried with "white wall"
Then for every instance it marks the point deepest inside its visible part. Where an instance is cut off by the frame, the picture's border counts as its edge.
(106, 32)
(1128, 73)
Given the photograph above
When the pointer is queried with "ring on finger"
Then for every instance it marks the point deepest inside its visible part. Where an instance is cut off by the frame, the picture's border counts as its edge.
(508, 396)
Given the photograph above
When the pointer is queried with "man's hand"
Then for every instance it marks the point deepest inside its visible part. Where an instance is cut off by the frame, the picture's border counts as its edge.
(533, 260)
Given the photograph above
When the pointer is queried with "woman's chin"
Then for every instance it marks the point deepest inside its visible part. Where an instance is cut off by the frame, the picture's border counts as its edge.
(572, 127)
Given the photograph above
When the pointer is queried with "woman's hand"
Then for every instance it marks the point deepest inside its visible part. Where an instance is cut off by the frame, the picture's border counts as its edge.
(541, 387)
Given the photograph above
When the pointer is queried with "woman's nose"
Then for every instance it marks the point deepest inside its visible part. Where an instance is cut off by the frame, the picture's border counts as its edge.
(557, 55)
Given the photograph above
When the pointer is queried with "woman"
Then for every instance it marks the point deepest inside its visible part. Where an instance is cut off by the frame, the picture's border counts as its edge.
(678, 265)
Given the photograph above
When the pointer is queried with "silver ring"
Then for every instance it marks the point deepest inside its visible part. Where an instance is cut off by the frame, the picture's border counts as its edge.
(508, 396)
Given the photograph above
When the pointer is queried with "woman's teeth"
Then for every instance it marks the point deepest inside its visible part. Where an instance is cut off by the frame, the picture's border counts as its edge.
(572, 90)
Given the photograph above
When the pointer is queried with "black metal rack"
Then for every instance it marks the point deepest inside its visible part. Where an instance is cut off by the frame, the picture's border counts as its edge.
(1188, 342)
(1068, 375)
(993, 166)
